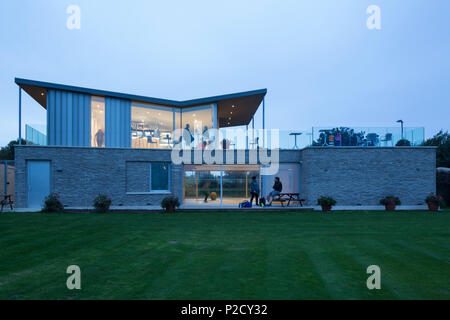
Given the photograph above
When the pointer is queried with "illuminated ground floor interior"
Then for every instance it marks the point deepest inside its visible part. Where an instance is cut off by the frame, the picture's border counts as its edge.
(230, 184)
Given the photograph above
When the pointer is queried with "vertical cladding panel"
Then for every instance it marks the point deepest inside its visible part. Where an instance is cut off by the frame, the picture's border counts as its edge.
(70, 136)
(75, 121)
(87, 120)
(64, 116)
(68, 118)
(51, 117)
(118, 122)
(58, 118)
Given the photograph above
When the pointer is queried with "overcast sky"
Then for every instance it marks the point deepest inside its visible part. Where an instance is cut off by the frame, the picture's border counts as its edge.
(320, 63)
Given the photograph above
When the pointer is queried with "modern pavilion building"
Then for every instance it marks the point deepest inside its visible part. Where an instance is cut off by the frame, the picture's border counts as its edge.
(101, 142)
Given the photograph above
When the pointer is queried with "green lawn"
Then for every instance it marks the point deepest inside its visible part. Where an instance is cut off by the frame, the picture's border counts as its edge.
(228, 255)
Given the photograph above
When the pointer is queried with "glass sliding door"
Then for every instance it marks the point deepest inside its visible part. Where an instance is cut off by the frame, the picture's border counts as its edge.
(236, 181)
(202, 184)
(228, 184)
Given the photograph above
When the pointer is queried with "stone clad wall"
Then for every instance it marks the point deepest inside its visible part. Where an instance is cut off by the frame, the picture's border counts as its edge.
(123, 174)
(361, 176)
(353, 176)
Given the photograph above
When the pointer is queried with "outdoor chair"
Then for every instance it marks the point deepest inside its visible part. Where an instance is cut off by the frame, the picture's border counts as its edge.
(6, 201)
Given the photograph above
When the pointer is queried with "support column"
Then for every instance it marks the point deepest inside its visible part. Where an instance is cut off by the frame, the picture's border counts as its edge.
(5, 163)
(264, 121)
(20, 115)
(253, 131)
(221, 184)
(246, 137)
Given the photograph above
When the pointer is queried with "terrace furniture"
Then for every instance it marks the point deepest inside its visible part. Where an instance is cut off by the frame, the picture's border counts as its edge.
(387, 137)
(372, 139)
(295, 134)
(325, 140)
(289, 197)
(7, 200)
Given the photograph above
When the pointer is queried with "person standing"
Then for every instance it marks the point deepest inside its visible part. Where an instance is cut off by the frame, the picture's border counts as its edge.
(254, 190)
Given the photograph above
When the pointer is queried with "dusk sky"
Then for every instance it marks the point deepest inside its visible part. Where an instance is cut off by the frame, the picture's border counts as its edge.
(320, 63)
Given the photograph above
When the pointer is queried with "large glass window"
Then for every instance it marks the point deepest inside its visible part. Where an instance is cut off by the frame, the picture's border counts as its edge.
(202, 184)
(159, 177)
(151, 126)
(236, 181)
(196, 121)
(97, 122)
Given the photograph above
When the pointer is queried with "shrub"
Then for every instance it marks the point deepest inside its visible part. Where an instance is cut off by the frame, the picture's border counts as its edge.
(213, 196)
(52, 203)
(432, 198)
(390, 200)
(169, 203)
(326, 201)
(403, 143)
(443, 184)
(102, 203)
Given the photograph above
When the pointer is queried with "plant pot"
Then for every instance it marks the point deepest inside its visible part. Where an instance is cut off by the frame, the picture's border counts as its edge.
(326, 208)
(390, 207)
(433, 206)
(170, 209)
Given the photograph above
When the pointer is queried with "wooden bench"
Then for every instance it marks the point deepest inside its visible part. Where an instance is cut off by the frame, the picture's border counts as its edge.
(289, 197)
(7, 200)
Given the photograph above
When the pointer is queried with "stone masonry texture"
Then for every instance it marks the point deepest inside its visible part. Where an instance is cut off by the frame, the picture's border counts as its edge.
(362, 176)
(353, 176)
(79, 174)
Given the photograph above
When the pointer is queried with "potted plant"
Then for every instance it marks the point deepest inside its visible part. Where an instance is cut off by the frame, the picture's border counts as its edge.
(52, 203)
(170, 203)
(433, 201)
(102, 203)
(326, 203)
(390, 202)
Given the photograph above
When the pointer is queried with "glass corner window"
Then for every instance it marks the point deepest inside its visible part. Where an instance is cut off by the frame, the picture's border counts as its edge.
(151, 126)
(97, 122)
(159, 176)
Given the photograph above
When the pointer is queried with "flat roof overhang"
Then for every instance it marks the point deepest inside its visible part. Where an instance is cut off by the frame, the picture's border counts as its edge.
(240, 107)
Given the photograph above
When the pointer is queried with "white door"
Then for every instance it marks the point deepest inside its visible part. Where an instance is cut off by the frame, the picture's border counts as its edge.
(38, 182)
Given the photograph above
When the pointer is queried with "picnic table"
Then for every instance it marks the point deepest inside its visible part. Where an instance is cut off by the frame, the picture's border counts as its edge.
(7, 200)
(289, 197)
